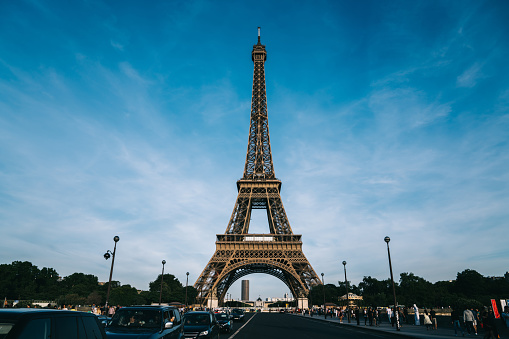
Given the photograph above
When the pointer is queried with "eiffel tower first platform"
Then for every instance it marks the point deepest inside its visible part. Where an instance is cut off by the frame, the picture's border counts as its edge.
(240, 253)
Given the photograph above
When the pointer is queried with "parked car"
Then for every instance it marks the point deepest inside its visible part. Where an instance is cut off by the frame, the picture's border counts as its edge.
(225, 322)
(147, 322)
(200, 324)
(28, 323)
(238, 314)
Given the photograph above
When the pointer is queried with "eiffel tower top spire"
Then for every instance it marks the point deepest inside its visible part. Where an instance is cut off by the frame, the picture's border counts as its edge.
(259, 164)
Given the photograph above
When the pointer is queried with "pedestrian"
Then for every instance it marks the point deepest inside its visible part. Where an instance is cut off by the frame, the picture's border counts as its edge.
(365, 315)
(427, 320)
(505, 316)
(405, 315)
(433, 317)
(357, 316)
(416, 315)
(490, 325)
(455, 319)
(468, 318)
(389, 314)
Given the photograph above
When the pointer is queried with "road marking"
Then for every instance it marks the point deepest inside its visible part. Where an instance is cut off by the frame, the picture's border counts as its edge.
(234, 334)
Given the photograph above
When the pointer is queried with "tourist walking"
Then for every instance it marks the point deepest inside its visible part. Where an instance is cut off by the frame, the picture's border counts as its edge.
(468, 318)
(416, 315)
(455, 318)
(433, 317)
(427, 320)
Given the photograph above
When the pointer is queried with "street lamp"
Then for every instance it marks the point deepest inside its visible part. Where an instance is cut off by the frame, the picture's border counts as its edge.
(323, 289)
(187, 280)
(162, 277)
(347, 298)
(107, 255)
(396, 313)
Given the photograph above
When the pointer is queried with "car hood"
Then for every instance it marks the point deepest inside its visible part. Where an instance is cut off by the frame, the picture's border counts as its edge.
(129, 334)
(195, 328)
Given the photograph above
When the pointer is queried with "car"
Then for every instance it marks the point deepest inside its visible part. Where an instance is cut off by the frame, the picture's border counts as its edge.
(201, 324)
(237, 314)
(27, 323)
(225, 322)
(147, 322)
(103, 319)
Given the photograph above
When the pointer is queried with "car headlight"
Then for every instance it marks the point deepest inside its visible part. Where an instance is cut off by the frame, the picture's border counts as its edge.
(204, 333)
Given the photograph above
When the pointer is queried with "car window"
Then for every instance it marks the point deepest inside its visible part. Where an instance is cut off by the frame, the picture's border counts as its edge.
(37, 329)
(66, 328)
(197, 319)
(92, 328)
(5, 328)
(177, 316)
(133, 318)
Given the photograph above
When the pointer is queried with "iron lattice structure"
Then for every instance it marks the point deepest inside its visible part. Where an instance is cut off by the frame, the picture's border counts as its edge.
(239, 253)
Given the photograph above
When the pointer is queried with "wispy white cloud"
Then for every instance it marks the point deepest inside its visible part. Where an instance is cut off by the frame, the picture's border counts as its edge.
(470, 76)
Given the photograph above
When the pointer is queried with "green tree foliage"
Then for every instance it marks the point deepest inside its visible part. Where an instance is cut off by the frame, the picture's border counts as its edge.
(413, 289)
(375, 292)
(126, 295)
(172, 289)
(22, 280)
(80, 284)
(25, 281)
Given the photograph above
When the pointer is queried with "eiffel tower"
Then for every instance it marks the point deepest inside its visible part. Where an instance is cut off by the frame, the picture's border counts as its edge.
(239, 253)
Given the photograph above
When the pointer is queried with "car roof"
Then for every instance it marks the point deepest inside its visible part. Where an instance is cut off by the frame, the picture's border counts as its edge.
(16, 313)
(148, 307)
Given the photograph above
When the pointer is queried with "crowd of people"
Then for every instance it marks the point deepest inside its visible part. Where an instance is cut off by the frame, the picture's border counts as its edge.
(469, 321)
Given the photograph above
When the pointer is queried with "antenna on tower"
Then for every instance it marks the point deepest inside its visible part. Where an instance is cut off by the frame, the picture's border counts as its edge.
(258, 34)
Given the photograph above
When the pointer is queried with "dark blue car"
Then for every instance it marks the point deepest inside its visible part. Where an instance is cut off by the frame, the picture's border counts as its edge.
(225, 322)
(147, 322)
(201, 324)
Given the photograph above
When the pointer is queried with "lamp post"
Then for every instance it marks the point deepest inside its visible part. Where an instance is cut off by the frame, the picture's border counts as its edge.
(396, 313)
(107, 255)
(187, 280)
(323, 290)
(347, 297)
(161, 288)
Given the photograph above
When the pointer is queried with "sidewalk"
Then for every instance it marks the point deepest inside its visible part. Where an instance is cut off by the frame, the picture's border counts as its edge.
(408, 331)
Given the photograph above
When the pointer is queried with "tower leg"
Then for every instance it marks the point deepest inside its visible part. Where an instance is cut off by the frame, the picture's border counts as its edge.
(212, 303)
(302, 303)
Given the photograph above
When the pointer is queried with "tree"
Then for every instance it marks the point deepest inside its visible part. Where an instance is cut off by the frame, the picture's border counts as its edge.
(80, 284)
(126, 295)
(469, 284)
(415, 290)
(375, 292)
(172, 289)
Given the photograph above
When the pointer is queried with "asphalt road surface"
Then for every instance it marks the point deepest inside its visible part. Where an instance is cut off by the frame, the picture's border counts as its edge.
(282, 326)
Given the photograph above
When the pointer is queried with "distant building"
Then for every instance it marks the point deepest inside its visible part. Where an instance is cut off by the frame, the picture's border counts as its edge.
(286, 297)
(244, 295)
(352, 298)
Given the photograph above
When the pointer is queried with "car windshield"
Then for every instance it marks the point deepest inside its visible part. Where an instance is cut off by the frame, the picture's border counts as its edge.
(136, 319)
(221, 316)
(5, 328)
(197, 319)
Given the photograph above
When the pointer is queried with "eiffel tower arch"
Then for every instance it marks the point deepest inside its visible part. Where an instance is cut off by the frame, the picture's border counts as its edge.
(240, 253)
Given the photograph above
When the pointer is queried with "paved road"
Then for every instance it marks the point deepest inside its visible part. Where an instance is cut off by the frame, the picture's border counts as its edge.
(281, 326)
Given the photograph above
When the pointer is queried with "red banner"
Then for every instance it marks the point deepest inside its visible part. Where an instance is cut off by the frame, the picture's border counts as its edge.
(495, 309)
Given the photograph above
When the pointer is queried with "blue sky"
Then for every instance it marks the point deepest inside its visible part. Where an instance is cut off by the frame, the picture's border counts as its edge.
(131, 118)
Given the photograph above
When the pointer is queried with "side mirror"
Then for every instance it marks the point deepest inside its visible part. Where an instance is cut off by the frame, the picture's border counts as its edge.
(168, 324)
